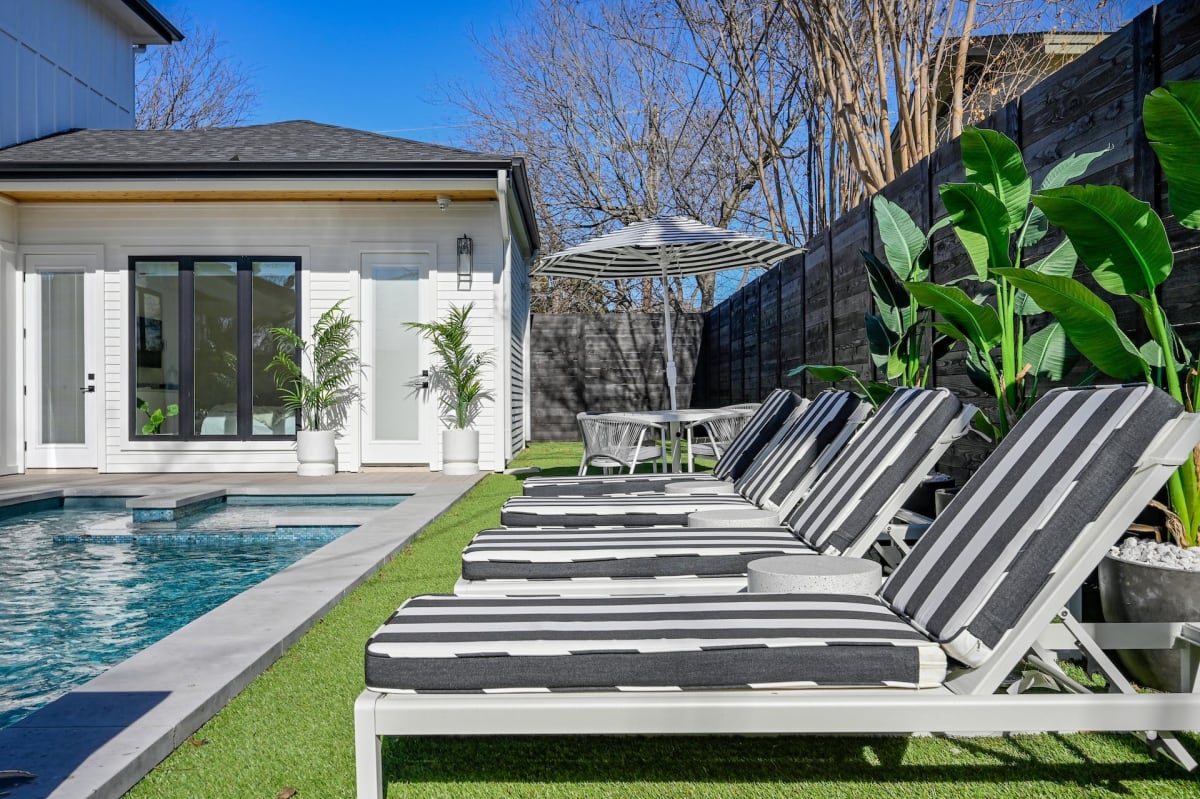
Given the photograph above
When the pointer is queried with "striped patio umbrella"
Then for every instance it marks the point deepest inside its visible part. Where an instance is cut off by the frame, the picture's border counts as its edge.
(664, 247)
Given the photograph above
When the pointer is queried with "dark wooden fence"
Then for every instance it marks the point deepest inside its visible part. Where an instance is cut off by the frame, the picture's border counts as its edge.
(604, 362)
(810, 309)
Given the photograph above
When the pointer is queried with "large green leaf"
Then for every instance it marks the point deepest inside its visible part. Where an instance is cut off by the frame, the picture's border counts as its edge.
(830, 374)
(993, 160)
(1049, 352)
(1172, 118)
(1088, 321)
(981, 224)
(1061, 261)
(1060, 174)
(880, 340)
(891, 299)
(1118, 237)
(903, 241)
(978, 323)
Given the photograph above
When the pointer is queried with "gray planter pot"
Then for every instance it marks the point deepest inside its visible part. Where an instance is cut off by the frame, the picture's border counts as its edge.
(316, 453)
(460, 452)
(1137, 592)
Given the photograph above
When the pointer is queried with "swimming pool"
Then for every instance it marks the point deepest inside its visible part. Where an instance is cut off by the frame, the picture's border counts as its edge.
(73, 605)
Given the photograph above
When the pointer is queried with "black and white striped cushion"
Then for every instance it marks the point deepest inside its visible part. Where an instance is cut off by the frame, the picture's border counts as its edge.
(783, 471)
(761, 428)
(982, 563)
(763, 425)
(545, 554)
(861, 490)
(763, 641)
(606, 485)
(631, 511)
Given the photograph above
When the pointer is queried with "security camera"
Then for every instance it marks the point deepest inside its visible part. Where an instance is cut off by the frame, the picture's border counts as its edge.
(443, 202)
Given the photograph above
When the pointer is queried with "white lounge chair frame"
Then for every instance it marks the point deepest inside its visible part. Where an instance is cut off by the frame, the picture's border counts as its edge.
(965, 702)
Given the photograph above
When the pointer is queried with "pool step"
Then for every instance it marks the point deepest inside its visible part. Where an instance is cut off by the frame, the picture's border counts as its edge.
(170, 506)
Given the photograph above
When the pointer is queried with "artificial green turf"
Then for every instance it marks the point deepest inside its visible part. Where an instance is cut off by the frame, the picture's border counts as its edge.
(292, 728)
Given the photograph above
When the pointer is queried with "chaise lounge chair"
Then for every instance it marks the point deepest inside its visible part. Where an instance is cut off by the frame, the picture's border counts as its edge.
(926, 653)
(776, 481)
(778, 408)
(847, 508)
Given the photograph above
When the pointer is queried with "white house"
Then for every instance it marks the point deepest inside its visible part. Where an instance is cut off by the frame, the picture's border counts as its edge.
(144, 267)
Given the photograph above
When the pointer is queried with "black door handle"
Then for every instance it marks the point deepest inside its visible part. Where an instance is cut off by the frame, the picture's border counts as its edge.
(88, 389)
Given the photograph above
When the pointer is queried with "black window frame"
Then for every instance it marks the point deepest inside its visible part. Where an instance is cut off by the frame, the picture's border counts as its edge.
(187, 348)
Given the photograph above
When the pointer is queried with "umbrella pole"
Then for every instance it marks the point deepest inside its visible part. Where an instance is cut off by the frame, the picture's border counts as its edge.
(671, 374)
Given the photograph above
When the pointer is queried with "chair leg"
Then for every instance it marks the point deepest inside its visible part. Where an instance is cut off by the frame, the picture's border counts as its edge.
(368, 757)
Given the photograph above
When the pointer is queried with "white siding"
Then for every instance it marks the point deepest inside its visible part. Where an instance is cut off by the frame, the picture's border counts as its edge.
(328, 237)
(10, 345)
(63, 64)
(516, 349)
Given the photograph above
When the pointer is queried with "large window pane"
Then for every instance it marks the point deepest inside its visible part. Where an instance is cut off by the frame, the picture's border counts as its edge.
(156, 346)
(215, 348)
(272, 304)
(62, 357)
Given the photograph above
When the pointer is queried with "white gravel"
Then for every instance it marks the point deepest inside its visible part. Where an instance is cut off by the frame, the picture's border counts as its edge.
(1152, 553)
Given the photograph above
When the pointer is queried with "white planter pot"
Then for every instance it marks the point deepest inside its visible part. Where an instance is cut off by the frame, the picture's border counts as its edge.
(316, 452)
(460, 452)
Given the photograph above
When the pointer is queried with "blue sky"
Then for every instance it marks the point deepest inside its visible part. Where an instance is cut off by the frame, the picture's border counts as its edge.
(379, 65)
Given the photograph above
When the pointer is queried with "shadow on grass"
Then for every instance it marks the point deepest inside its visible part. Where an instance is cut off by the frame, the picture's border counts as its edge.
(1102, 762)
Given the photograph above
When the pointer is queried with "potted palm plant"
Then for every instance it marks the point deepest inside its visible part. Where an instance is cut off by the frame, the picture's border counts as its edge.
(458, 379)
(316, 378)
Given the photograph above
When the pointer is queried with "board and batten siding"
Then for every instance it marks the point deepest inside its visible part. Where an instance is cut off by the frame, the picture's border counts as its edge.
(63, 64)
(328, 237)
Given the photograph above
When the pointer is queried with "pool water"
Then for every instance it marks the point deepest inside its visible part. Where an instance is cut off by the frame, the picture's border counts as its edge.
(71, 608)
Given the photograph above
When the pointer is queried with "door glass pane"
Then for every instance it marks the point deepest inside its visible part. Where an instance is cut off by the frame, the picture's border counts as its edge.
(216, 330)
(396, 362)
(156, 347)
(273, 304)
(62, 357)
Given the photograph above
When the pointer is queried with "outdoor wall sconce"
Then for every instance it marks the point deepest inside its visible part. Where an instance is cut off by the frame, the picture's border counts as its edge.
(443, 202)
(464, 259)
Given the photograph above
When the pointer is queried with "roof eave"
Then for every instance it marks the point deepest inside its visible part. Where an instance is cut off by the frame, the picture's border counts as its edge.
(57, 170)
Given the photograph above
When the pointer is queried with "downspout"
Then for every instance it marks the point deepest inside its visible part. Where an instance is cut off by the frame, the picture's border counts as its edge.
(503, 430)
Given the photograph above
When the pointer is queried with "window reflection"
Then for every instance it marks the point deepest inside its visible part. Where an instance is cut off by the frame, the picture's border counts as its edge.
(272, 304)
(156, 347)
(216, 351)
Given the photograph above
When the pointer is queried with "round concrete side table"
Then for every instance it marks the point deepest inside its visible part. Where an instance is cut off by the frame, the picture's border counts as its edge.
(701, 487)
(814, 574)
(734, 517)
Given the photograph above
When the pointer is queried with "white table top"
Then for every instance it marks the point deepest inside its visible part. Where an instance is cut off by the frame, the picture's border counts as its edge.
(673, 417)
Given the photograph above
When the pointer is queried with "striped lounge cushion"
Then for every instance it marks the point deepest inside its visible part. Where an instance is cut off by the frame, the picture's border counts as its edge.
(980, 566)
(627, 511)
(862, 489)
(604, 485)
(746, 641)
(783, 471)
(540, 553)
(763, 425)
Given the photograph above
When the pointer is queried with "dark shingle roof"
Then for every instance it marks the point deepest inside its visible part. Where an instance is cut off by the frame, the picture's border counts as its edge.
(297, 142)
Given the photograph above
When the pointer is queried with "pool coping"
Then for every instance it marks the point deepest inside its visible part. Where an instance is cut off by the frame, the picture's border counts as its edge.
(98, 740)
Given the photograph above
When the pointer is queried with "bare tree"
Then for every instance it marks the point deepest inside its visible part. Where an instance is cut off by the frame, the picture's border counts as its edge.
(191, 84)
(771, 115)
(618, 127)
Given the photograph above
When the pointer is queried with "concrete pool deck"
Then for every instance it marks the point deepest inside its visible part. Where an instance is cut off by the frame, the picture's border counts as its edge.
(98, 740)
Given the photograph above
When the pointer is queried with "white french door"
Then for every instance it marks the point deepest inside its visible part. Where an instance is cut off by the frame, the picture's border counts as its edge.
(62, 352)
(397, 417)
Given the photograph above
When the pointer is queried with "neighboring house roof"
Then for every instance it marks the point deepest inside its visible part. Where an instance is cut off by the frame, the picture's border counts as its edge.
(295, 149)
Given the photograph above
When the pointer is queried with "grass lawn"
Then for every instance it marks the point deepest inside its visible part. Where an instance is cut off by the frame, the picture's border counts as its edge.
(292, 728)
